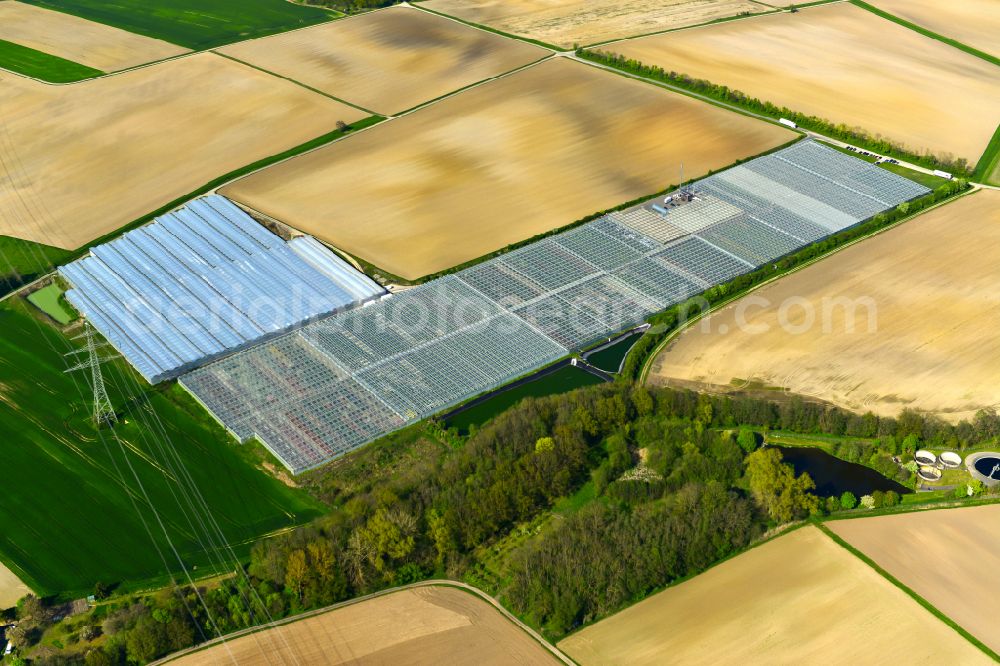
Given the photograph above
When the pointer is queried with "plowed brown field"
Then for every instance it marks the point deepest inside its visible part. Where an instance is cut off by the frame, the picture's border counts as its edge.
(82, 160)
(389, 60)
(847, 65)
(498, 164)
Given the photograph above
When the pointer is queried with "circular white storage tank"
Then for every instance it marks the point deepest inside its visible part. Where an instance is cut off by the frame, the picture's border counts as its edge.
(929, 473)
(951, 460)
(925, 457)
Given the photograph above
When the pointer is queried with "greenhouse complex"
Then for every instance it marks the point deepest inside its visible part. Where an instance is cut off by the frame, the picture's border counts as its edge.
(340, 382)
(204, 281)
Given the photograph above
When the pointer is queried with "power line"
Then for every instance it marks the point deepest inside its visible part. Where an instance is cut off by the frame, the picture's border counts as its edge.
(104, 412)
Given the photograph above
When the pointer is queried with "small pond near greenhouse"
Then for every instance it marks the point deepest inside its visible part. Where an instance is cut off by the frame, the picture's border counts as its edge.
(833, 476)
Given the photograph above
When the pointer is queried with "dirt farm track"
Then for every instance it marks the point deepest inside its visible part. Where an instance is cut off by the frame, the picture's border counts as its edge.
(82, 160)
(949, 557)
(799, 599)
(925, 312)
(426, 625)
(500, 163)
(847, 65)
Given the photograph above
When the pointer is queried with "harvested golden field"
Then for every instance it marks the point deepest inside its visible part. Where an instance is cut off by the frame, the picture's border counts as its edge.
(86, 159)
(800, 598)
(498, 164)
(925, 312)
(11, 588)
(86, 42)
(847, 65)
(949, 557)
(585, 22)
(424, 625)
(975, 23)
(387, 61)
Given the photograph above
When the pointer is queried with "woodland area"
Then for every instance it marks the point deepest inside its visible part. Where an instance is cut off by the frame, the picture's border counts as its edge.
(659, 484)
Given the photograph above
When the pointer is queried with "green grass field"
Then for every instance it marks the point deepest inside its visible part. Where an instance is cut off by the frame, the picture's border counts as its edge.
(23, 261)
(49, 300)
(81, 506)
(988, 167)
(562, 380)
(195, 24)
(41, 65)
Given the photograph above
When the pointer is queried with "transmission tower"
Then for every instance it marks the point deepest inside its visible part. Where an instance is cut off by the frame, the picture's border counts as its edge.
(104, 413)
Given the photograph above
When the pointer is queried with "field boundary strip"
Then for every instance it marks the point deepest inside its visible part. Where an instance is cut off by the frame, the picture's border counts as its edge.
(474, 84)
(899, 509)
(437, 582)
(486, 28)
(988, 166)
(658, 349)
(907, 590)
(295, 81)
(927, 33)
(772, 9)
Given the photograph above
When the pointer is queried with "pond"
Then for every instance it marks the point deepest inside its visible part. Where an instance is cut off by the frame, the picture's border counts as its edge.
(561, 379)
(833, 476)
(610, 358)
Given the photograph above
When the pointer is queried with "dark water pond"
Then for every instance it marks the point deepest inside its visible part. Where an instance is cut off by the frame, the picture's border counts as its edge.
(985, 466)
(833, 476)
(610, 359)
(561, 380)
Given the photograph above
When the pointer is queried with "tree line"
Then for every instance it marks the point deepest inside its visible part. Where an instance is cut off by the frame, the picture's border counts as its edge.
(854, 135)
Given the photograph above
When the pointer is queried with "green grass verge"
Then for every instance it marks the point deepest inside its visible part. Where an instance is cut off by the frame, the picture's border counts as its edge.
(81, 505)
(49, 300)
(43, 66)
(927, 33)
(195, 24)
(22, 262)
(913, 595)
(926, 179)
(988, 167)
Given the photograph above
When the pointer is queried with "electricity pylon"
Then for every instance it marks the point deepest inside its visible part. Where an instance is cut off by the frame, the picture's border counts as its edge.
(104, 413)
